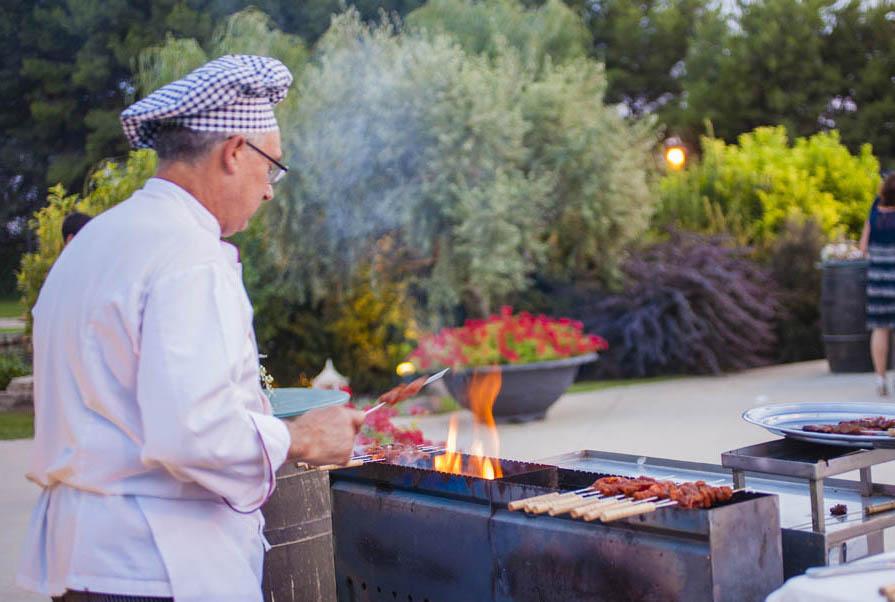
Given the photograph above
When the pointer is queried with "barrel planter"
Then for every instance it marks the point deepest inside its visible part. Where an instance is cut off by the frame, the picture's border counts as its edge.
(300, 564)
(843, 297)
(526, 390)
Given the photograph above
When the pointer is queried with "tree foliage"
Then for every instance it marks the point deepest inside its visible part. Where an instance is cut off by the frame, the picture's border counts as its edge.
(769, 70)
(487, 168)
(550, 30)
(643, 45)
(860, 49)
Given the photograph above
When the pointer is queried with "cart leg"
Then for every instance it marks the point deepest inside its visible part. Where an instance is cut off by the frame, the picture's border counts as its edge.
(866, 482)
(739, 478)
(817, 505)
(875, 542)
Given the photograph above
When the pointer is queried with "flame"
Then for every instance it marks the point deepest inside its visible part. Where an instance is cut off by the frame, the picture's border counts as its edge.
(450, 461)
(483, 390)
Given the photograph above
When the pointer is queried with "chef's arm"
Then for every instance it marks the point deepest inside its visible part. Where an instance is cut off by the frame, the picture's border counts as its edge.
(325, 435)
(194, 411)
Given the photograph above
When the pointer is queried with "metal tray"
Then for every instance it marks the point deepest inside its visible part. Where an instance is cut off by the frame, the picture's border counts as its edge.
(788, 419)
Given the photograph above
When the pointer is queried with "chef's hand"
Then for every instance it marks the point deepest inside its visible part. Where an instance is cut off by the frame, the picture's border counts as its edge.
(324, 435)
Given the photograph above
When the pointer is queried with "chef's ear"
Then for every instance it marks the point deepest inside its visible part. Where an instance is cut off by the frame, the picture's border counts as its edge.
(232, 152)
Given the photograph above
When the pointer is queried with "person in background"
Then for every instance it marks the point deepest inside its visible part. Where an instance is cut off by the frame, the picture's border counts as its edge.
(878, 243)
(154, 443)
(72, 223)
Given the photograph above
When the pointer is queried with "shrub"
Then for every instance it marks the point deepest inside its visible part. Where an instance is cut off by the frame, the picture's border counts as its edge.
(693, 304)
(792, 260)
(109, 186)
(753, 187)
(11, 366)
(367, 334)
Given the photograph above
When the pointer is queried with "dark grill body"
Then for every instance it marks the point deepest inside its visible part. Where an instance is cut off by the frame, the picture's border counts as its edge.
(418, 535)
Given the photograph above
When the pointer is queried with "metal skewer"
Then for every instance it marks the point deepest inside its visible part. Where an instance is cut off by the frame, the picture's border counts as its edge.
(431, 379)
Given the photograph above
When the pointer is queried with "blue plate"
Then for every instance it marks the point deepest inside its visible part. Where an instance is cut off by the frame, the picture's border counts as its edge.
(294, 401)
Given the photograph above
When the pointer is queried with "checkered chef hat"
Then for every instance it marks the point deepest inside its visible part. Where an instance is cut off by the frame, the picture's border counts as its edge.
(235, 93)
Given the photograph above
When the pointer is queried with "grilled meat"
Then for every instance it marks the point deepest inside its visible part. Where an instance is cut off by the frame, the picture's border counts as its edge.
(853, 427)
(688, 495)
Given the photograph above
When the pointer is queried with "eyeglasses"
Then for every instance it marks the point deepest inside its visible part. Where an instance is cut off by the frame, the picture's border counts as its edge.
(276, 171)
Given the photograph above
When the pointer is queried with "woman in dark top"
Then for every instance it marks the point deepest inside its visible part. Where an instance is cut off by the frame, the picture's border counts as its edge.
(878, 242)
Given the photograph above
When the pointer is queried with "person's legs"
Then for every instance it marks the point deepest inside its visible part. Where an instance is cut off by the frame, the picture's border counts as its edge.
(879, 351)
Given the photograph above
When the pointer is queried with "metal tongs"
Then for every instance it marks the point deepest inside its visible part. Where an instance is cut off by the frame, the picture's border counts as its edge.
(429, 380)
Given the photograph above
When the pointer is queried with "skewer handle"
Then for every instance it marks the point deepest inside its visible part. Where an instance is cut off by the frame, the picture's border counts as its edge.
(885, 506)
(601, 505)
(632, 510)
(350, 464)
(517, 504)
(888, 591)
(561, 507)
(546, 505)
(597, 512)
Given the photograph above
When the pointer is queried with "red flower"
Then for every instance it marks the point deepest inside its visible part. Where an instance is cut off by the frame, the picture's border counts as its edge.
(505, 338)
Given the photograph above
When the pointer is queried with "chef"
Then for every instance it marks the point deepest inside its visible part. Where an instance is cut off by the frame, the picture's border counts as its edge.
(154, 442)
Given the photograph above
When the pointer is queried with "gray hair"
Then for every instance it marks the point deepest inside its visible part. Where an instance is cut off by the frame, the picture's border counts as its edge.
(177, 143)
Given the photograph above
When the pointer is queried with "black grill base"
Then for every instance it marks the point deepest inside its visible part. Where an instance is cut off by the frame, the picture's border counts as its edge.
(393, 544)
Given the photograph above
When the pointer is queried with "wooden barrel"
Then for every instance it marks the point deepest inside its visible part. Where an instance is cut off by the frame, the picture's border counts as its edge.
(843, 317)
(300, 564)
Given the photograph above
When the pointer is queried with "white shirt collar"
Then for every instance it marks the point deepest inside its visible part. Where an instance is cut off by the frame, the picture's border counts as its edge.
(204, 217)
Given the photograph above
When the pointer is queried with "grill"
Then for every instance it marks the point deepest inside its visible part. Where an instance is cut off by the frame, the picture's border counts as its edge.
(415, 534)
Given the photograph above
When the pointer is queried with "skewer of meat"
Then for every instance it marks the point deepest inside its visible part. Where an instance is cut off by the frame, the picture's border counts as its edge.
(567, 501)
(403, 391)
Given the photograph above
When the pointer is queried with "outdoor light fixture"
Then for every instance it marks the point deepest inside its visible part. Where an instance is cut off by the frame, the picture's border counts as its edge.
(405, 369)
(675, 157)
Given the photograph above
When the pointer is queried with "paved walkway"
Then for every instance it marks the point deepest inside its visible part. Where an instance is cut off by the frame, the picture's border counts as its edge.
(10, 323)
(691, 419)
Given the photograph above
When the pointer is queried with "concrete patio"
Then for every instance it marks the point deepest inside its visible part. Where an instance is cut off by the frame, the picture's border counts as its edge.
(691, 419)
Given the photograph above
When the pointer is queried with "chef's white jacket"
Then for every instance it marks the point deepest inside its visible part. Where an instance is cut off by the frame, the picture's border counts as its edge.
(153, 438)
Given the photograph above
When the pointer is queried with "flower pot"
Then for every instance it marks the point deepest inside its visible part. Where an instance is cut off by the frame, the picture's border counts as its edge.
(526, 390)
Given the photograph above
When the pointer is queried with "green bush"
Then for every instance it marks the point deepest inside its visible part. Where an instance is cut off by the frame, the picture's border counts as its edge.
(11, 366)
(108, 187)
(750, 189)
(367, 334)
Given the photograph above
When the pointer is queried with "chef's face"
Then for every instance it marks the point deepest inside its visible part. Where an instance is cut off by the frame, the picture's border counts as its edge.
(253, 185)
